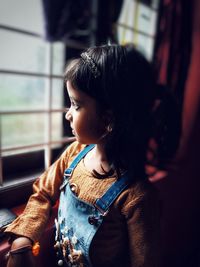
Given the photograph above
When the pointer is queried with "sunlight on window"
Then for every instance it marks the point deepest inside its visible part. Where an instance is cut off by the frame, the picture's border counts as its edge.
(137, 25)
(22, 14)
(23, 53)
(22, 92)
(31, 79)
(20, 130)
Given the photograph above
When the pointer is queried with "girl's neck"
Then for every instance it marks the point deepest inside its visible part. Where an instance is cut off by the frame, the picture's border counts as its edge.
(99, 153)
(96, 159)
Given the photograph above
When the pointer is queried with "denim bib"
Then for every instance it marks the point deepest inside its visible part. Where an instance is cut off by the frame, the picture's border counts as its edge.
(78, 221)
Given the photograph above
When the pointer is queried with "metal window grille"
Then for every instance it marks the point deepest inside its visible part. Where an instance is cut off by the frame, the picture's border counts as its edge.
(46, 145)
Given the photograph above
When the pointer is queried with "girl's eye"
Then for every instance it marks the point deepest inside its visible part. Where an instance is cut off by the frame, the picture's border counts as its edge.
(75, 106)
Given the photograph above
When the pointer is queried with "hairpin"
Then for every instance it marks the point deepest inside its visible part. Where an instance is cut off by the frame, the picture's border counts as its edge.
(91, 64)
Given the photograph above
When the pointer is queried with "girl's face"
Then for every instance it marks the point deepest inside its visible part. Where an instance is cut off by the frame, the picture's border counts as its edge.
(85, 121)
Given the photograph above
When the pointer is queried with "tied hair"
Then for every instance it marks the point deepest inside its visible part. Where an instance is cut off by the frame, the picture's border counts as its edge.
(166, 127)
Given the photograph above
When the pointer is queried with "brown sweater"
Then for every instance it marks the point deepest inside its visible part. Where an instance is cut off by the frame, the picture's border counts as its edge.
(130, 232)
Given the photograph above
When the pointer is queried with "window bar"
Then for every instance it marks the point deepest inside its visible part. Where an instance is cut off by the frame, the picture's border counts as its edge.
(32, 74)
(122, 25)
(64, 140)
(48, 122)
(1, 163)
(15, 112)
(17, 30)
(148, 5)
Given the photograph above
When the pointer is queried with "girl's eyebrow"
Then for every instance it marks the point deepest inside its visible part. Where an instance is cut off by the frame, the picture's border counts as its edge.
(76, 100)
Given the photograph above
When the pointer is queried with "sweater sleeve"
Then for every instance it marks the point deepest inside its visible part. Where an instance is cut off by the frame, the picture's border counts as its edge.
(31, 223)
(143, 224)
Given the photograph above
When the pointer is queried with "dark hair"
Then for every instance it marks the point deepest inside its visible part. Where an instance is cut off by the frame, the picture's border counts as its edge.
(126, 86)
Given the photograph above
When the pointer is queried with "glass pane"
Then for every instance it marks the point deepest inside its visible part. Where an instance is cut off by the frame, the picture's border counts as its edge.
(127, 11)
(21, 92)
(155, 4)
(125, 35)
(23, 53)
(58, 58)
(145, 45)
(20, 130)
(138, 17)
(57, 93)
(20, 151)
(57, 128)
(23, 14)
(146, 20)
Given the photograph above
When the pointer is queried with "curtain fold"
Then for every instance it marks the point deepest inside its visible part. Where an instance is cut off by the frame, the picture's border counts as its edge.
(173, 44)
(76, 19)
(63, 18)
(177, 61)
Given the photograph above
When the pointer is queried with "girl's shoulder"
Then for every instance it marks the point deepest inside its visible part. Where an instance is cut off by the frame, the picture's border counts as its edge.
(74, 148)
(138, 195)
(72, 151)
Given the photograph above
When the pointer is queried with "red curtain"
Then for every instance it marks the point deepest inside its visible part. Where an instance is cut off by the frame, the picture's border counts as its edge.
(173, 44)
(177, 60)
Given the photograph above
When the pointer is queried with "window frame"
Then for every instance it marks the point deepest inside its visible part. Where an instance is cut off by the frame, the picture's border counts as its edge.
(18, 181)
(138, 32)
(11, 193)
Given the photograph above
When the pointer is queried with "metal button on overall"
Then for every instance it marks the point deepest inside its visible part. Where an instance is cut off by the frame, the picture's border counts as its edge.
(75, 189)
(93, 220)
(78, 221)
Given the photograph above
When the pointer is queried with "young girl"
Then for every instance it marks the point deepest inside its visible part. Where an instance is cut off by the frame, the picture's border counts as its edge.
(108, 210)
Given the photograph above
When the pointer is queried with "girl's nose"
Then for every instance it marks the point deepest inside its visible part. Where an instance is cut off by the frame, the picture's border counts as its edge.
(68, 115)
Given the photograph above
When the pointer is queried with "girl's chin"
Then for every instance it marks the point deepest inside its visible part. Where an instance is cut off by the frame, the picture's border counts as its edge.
(73, 132)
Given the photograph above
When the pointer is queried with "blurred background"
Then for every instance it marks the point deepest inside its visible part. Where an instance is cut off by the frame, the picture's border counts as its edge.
(38, 37)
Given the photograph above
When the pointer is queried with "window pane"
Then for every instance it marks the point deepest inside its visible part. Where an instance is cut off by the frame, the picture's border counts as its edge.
(21, 92)
(23, 14)
(58, 58)
(138, 17)
(145, 45)
(146, 20)
(57, 93)
(125, 35)
(126, 13)
(155, 4)
(23, 53)
(57, 121)
(20, 130)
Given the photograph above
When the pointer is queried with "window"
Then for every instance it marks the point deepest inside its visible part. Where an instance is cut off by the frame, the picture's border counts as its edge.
(137, 25)
(32, 131)
(31, 93)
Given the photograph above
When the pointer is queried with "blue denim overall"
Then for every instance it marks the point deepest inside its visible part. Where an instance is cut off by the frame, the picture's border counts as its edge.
(79, 221)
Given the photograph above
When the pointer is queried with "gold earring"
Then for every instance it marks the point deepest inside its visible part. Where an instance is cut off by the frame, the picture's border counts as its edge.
(109, 128)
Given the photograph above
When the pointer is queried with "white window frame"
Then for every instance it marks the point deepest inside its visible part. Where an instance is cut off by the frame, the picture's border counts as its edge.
(125, 26)
(47, 145)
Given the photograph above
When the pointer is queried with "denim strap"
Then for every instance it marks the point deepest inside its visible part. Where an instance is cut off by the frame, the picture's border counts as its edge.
(103, 203)
(69, 170)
